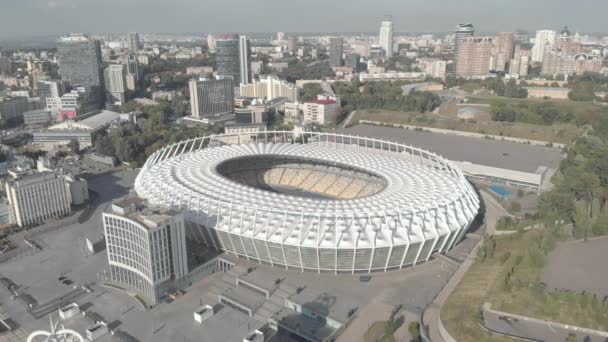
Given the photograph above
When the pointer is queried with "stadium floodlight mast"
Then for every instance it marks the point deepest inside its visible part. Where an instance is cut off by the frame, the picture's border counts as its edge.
(54, 335)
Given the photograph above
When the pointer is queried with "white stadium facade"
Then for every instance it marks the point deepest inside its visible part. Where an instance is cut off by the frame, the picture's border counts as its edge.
(318, 202)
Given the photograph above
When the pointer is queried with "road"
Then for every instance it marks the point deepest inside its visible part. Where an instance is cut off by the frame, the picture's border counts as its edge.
(431, 315)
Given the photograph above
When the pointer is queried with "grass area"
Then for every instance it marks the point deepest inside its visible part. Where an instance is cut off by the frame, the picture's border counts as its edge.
(569, 104)
(376, 333)
(114, 286)
(559, 133)
(508, 277)
(142, 302)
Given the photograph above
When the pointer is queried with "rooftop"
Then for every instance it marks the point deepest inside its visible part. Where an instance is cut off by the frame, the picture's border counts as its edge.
(322, 102)
(136, 208)
(91, 123)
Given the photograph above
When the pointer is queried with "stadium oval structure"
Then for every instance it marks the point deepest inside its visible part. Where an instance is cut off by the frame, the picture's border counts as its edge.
(320, 202)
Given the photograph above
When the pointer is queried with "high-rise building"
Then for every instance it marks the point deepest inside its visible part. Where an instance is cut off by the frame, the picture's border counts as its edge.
(48, 89)
(521, 60)
(433, 67)
(280, 36)
(133, 75)
(559, 62)
(6, 66)
(335, 52)
(227, 57)
(463, 31)
(210, 97)
(211, 44)
(292, 44)
(80, 65)
(506, 46)
(116, 83)
(352, 60)
(521, 36)
(133, 42)
(12, 109)
(543, 38)
(475, 56)
(244, 58)
(146, 247)
(386, 36)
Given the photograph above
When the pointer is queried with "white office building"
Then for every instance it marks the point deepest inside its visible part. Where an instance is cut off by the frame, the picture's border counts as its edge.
(270, 88)
(37, 197)
(116, 83)
(146, 247)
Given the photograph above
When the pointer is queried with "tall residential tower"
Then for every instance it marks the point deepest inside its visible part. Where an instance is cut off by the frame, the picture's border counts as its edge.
(80, 65)
(543, 38)
(386, 36)
(335, 52)
(244, 57)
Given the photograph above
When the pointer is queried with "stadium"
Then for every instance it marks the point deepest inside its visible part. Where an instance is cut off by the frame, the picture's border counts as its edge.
(320, 202)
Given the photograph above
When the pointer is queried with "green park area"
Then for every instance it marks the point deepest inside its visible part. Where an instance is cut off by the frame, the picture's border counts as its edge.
(507, 269)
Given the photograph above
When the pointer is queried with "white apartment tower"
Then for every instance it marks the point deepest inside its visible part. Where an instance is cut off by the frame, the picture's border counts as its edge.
(543, 38)
(386, 36)
(244, 56)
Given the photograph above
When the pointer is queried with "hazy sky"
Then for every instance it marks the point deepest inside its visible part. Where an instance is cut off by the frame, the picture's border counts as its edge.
(42, 17)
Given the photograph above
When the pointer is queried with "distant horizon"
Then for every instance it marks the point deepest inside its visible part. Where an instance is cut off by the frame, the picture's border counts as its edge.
(35, 18)
(30, 41)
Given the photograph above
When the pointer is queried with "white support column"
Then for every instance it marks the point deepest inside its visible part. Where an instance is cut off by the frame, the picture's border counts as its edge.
(300, 240)
(282, 240)
(371, 260)
(409, 242)
(390, 251)
(436, 238)
(419, 250)
(355, 251)
(266, 241)
(253, 238)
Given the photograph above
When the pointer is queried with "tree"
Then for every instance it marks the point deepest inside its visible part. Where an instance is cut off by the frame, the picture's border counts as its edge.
(414, 330)
(74, 146)
(582, 92)
(514, 91)
(310, 91)
(390, 327)
(103, 145)
(515, 206)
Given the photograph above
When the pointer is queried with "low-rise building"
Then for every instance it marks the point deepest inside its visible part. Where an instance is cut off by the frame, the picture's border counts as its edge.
(166, 95)
(270, 88)
(548, 92)
(37, 197)
(83, 131)
(201, 71)
(243, 132)
(37, 118)
(252, 114)
(321, 111)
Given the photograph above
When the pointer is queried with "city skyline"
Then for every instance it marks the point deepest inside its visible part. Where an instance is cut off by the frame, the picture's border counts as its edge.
(61, 16)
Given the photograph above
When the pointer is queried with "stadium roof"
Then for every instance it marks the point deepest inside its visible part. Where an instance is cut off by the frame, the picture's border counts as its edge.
(421, 188)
